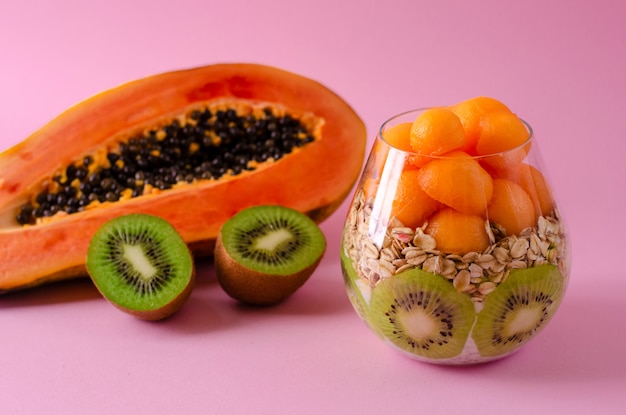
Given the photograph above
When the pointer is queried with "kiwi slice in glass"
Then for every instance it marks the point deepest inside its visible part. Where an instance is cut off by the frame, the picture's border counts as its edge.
(263, 254)
(141, 265)
(422, 314)
(359, 291)
(518, 309)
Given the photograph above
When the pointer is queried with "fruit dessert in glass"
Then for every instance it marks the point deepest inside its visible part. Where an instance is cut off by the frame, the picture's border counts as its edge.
(453, 249)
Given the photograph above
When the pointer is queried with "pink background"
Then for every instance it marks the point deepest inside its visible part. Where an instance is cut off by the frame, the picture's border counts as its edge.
(561, 65)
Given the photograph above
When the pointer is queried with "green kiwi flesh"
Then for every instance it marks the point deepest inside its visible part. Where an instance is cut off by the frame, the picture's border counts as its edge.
(518, 309)
(422, 314)
(356, 288)
(141, 264)
(263, 254)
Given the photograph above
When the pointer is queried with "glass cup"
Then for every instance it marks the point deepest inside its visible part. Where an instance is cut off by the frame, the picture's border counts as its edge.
(454, 259)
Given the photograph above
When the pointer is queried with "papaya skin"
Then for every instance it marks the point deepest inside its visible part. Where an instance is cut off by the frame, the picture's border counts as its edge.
(314, 179)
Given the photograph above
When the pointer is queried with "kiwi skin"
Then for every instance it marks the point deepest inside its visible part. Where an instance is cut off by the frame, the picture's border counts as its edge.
(159, 313)
(257, 282)
(163, 312)
(252, 287)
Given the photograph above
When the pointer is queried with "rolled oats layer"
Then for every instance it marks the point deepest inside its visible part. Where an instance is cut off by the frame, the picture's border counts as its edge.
(476, 273)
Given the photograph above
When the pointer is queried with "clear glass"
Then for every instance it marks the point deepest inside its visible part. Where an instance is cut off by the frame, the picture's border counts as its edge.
(454, 259)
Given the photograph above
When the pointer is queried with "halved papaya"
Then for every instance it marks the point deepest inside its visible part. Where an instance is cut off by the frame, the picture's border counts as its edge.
(48, 214)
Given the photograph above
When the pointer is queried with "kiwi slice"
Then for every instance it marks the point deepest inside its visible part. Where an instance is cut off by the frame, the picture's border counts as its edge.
(263, 254)
(422, 314)
(518, 309)
(141, 265)
(358, 292)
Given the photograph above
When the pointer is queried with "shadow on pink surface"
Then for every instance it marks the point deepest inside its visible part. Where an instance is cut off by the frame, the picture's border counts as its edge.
(584, 343)
(73, 290)
(316, 298)
(320, 296)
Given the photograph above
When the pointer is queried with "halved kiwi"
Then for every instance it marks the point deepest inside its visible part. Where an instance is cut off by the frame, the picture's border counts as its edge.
(263, 254)
(141, 264)
(422, 314)
(518, 309)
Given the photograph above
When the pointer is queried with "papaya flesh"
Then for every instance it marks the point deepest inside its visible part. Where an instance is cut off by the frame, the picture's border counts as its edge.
(108, 156)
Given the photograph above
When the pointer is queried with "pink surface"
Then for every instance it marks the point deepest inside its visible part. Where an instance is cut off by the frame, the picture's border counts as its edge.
(560, 65)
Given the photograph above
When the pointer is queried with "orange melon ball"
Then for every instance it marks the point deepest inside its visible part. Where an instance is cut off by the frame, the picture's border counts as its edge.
(411, 205)
(399, 136)
(377, 159)
(370, 186)
(535, 184)
(511, 207)
(457, 181)
(470, 113)
(458, 233)
(437, 131)
(504, 138)
(500, 131)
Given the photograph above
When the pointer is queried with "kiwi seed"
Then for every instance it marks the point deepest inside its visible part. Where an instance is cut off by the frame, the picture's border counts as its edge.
(141, 265)
(422, 314)
(518, 309)
(263, 254)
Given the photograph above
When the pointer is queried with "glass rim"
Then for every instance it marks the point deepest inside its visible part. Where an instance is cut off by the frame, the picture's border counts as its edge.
(383, 128)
